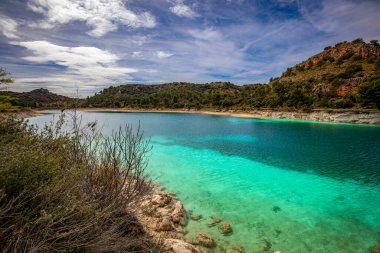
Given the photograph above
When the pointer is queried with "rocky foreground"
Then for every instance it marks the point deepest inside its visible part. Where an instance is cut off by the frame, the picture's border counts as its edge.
(164, 217)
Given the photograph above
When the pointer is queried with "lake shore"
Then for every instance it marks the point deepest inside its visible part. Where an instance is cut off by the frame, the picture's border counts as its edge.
(318, 116)
(22, 114)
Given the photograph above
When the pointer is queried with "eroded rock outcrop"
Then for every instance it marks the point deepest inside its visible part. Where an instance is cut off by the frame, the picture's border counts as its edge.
(163, 216)
(179, 246)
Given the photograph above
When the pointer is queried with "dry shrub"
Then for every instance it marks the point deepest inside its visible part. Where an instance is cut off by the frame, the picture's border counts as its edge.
(70, 191)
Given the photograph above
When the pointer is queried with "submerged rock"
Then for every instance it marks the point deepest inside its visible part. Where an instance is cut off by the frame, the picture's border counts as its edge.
(216, 218)
(179, 246)
(264, 245)
(375, 249)
(277, 232)
(276, 209)
(214, 221)
(236, 249)
(224, 227)
(205, 240)
(196, 217)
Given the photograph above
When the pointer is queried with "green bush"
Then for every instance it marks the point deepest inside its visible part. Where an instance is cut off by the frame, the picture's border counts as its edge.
(340, 103)
(9, 104)
(370, 92)
(351, 71)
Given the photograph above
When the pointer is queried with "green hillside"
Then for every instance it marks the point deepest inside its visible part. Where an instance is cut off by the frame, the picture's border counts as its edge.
(346, 75)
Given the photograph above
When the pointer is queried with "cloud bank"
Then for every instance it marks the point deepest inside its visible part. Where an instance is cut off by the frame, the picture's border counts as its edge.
(102, 16)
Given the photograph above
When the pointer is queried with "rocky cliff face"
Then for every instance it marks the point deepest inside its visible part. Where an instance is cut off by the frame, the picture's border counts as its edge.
(341, 50)
(337, 72)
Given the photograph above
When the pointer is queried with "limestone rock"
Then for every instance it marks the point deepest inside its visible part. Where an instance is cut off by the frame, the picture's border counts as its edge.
(224, 227)
(179, 213)
(165, 224)
(150, 211)
(205, 240)
(179, 246)
(161, 200)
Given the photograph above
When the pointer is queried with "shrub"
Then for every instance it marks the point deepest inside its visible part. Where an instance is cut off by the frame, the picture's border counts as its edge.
(374, 42)
(300, 68)
(347, 55)
(339, 61)
(328, 77)
(377, 65)
(358, 41)
(337, 82)
(288, 72)
(340, 103)
(71, 191)
(356, 58)
(370, 92)
(320, 63)
(351, 71)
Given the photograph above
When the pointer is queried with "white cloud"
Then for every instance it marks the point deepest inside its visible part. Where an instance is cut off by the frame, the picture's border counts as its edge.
(8, 27)
(137, 54)
(344, 18)
(163, 54)
(86, 66)
(182, 10)
(250, 73)
(102, 15)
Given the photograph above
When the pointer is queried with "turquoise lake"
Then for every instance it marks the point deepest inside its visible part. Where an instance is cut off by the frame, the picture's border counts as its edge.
(290, 185)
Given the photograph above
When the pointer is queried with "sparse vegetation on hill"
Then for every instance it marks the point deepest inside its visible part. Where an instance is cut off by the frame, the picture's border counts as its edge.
(41, 98)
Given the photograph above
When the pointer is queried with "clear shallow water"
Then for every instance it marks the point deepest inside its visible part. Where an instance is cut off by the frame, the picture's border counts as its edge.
(303, 187)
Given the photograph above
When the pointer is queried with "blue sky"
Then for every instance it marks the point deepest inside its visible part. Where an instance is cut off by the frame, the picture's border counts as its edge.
(86, 45)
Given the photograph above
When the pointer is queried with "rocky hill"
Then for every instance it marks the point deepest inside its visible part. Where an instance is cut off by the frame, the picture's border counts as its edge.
(338, 73)
(346, 75)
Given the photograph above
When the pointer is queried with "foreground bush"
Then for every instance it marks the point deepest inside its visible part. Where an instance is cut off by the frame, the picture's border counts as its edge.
(70, 191)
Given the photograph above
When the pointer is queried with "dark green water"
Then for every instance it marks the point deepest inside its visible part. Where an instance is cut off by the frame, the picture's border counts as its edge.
(303, 187)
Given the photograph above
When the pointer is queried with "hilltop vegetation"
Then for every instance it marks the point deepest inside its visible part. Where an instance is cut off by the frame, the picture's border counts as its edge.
(344, 76)
(39, 98)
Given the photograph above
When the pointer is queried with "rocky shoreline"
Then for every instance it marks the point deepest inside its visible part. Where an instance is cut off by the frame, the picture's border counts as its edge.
(164, 217)
(370, 117)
